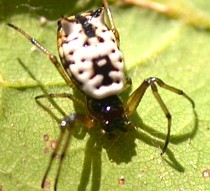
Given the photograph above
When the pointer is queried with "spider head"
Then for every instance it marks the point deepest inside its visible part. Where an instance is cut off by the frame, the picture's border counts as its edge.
(109, 112)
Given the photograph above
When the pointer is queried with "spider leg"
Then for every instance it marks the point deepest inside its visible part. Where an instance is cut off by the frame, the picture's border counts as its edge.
(128, 82)
(86, 120)
(53, 156)
(63, 95)
(52, 58)
(62, 156)
(135, 98)
(111, 20)
(66, 124)
(69, 123)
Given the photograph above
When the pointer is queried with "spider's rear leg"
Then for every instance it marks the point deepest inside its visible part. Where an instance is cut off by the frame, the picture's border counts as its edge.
(66, 124)
(137, 95)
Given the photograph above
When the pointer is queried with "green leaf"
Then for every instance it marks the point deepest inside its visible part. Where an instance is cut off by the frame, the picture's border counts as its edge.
(153, 45)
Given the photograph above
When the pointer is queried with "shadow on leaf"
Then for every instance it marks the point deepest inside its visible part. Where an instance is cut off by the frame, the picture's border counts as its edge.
(120, 148)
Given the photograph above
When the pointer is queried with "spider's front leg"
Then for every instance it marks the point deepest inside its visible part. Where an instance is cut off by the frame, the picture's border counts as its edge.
(66, 124)
(47, 53)
(135, 98)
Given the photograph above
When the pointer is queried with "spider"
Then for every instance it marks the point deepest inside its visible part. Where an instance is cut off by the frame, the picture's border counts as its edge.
(92, 64)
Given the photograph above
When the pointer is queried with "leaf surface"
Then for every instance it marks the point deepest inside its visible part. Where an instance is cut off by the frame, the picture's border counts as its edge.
(153, 45)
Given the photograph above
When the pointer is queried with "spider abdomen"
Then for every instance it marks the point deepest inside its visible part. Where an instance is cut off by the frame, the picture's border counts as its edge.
(90, 55)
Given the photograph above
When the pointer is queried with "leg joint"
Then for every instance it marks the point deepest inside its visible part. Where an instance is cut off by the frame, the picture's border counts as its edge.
(168, 116)
(68, 120)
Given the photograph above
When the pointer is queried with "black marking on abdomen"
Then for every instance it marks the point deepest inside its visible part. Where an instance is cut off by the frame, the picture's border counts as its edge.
(67, 64)
(103, 70)
(86, 25)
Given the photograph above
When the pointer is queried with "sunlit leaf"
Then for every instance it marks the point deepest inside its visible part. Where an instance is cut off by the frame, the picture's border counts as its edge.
(153, 45)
